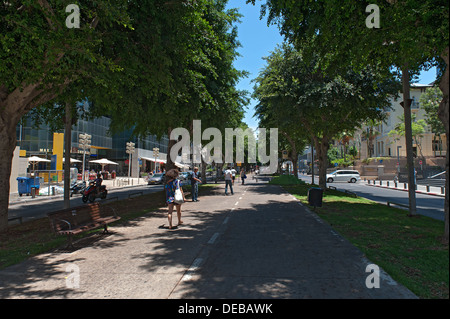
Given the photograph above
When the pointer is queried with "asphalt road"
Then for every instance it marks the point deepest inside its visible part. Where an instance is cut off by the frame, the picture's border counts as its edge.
(427, 205)
(34, 209)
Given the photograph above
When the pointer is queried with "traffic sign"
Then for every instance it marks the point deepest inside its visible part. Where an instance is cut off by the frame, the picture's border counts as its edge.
(420, 162)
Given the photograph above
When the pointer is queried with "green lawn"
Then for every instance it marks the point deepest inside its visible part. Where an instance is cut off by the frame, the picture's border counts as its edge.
(408, 248)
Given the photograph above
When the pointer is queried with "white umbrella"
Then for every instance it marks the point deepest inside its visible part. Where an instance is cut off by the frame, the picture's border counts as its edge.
(72, 160)
(103, 162)
(35, 159)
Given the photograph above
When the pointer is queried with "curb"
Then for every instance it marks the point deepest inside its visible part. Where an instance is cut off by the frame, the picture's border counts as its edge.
(405, 190)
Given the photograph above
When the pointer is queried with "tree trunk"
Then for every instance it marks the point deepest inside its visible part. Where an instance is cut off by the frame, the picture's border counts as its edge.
(7, 146)
(67, 147)
(293, 155)
(203, 172)
(444, 117)
(322, 146)
(312, 163)
(170, 164)
(409, 142)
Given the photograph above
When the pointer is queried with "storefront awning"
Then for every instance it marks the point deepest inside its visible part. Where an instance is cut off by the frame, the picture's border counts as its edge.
(152, 159)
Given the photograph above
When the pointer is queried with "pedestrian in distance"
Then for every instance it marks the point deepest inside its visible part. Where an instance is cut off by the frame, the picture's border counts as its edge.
(172, 185)
(228, 181)
(243, 176)
(233, 175)
(194, 183)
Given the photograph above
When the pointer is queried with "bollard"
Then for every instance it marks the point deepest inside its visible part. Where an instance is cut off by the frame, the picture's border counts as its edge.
(381, 182)
(442, 190)
(53, 190)
(395, 184)
(428, 188)
(404, 185)
(33, 192)
(387, 183)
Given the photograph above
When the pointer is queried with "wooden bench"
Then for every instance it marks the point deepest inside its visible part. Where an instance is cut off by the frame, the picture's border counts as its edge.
(75, 220)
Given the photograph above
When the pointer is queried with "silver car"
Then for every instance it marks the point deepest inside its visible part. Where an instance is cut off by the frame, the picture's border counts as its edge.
(349, 176)
(156, 179)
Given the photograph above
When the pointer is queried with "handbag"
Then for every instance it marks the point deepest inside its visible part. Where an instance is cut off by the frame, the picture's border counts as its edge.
(178, 199)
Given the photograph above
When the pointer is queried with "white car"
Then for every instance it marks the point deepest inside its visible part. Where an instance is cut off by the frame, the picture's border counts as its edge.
(343, 176)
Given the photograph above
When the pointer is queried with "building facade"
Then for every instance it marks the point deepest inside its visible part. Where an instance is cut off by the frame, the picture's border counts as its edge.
(39, 141)
(375, 141)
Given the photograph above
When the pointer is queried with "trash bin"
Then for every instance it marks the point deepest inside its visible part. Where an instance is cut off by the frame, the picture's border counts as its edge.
(315, 196)
(22, 186)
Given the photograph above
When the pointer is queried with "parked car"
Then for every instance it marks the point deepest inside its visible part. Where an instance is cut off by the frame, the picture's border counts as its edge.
(158, 178)
(349, 176)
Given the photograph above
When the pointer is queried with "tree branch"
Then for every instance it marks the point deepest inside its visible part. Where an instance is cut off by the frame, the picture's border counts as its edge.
(48, 12)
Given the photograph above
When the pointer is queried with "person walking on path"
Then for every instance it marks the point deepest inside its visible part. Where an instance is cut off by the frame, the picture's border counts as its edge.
(243, 176)
(233, 175)
(171, 186)
(194, 183)
(228, 181)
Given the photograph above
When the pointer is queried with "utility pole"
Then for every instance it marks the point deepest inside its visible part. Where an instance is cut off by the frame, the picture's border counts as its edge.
(155, 155)
(406, 104)
(84, 142)
(130, 150)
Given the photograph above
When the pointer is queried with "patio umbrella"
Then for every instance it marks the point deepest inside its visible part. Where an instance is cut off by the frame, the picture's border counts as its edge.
(72, 160)
(35, 159)
(103, 162)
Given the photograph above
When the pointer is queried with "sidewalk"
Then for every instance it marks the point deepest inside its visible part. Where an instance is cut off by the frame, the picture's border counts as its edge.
(119, 182)
(258, 243)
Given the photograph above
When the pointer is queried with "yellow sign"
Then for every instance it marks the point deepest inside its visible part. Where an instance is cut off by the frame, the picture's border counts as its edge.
(238, 163)
(58, 150)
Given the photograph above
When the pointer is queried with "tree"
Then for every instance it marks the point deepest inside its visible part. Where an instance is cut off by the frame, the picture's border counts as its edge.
(370, 134)
(294, 91)
(202, 47)
(430, 101)
(41, 57)
(143, 62)
(417, 128)
(413, 35)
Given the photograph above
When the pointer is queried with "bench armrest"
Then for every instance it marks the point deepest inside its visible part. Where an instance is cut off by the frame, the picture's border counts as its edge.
(63, 220)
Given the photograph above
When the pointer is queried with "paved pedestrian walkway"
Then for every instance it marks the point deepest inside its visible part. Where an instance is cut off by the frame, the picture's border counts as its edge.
(258, 243)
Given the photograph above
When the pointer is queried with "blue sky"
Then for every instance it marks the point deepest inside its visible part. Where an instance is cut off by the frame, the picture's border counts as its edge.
(257, 41)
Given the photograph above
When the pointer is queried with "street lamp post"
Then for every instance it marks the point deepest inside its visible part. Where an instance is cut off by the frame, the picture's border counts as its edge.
(155, 155)
(84, 142)
(130, 151)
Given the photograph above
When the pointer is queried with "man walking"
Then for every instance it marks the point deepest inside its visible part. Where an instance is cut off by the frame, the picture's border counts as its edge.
(233, 175)
(194, 183)
(228, 181)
